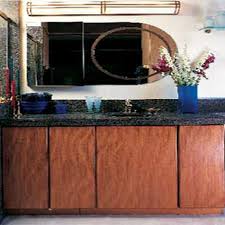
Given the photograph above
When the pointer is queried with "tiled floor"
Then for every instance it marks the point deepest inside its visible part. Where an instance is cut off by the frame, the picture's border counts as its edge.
(116, 220)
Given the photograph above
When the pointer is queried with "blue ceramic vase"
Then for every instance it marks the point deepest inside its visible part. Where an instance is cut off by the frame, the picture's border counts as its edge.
(188, 99)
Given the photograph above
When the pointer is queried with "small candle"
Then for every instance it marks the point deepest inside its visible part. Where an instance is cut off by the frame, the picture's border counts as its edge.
(13, 90)
(7, 83)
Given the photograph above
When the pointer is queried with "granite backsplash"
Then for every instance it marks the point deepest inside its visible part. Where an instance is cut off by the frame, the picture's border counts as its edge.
(165, 105)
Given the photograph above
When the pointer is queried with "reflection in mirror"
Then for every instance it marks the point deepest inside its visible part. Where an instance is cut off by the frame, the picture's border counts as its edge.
(34, 60)
(55, 54)
(79, 53)
(119, 52)
(4, 48)
(13, 51)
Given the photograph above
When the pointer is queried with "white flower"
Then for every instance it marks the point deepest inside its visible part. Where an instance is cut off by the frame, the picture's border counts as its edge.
(183, 72)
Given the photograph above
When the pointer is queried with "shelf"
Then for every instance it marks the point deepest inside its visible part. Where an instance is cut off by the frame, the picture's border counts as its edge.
(209, 29)
(215, 22)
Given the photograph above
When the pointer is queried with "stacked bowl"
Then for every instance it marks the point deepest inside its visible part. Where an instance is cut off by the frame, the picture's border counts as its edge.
(35, 103)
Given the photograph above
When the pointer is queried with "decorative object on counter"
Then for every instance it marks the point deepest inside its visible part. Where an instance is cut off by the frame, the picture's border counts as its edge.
(8, 98)
(60, 108)
(9, 91)
(128, 106)
(5, 107)
(186, 75)
(36, 97)
(97, 104)
(35, 103)
(33, 107)
(89, 103)
(153, 111)
(188, 99)
(93, 104)
(7, 82)
(13, 94)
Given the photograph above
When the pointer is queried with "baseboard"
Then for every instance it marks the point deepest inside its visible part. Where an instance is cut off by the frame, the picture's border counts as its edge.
(176, 211)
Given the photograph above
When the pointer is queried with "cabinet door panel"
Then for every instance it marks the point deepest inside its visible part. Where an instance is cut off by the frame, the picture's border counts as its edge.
(136, 167)
(201, 166)
(72, 153)
(25, 168)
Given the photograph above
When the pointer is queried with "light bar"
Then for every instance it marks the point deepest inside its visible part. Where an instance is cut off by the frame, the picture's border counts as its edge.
(61, 9)
(94, 8)
(143, 8)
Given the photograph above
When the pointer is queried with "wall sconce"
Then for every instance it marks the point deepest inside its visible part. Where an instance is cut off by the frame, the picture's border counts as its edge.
(95, 8)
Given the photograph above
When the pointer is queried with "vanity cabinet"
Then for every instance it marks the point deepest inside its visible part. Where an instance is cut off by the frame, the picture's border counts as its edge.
(137, 167)
(201, 166)
(25, 168)
(114, 169)
(72, 167)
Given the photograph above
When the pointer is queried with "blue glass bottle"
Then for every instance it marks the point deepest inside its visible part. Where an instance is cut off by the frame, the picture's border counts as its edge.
(188, 99)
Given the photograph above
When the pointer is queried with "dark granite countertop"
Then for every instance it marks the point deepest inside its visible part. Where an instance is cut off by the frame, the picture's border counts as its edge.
(85, 119)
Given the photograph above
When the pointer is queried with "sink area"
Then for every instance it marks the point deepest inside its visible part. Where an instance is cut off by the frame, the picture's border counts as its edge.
(127, 114)
(136, 112)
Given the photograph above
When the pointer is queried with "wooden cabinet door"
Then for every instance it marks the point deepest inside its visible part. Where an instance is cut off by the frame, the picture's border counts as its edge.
(72, 162)
(25, 168)
(201, 166)
(137, 167)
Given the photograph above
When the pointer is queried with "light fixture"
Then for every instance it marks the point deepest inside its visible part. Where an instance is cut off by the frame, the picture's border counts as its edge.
(142, 8)
(94, 8)
(35, 8)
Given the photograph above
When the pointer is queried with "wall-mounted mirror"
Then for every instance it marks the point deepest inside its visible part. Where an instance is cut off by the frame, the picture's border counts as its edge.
(9, 54)
(79, 53)
(4, 49)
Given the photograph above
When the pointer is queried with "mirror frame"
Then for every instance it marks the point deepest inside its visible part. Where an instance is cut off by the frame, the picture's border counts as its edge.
(167, 39)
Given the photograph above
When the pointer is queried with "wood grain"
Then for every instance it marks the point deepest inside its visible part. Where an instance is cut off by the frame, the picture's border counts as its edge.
(25, 168)
(72, 154)
(151, 42)
(136, 167)
(201, 166)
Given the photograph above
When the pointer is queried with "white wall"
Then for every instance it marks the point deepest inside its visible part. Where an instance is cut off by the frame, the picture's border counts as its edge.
(185, 30)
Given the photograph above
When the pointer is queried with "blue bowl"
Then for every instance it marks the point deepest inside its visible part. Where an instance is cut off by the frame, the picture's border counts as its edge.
(36, 97)
(34, 107)
(42, 103)
(60, 108)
